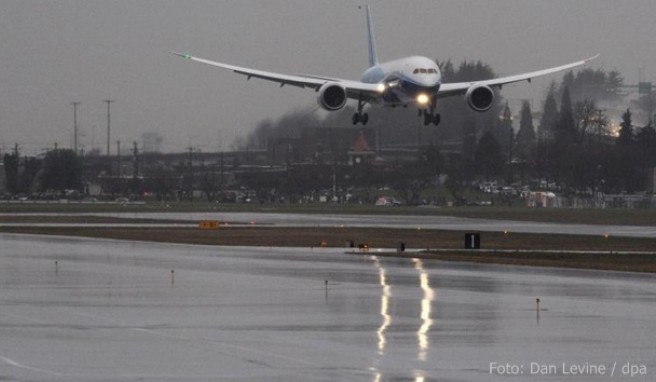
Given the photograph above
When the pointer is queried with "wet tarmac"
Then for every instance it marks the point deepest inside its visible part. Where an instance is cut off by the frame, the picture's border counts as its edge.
(380, 221)
(101, 310)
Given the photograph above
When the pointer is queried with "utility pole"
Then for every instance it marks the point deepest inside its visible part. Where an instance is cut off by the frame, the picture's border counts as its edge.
(135, 164)
(222, 169)
(118, 158)
(108, 102)
(191, 173)
(135, 172)
(75, 104)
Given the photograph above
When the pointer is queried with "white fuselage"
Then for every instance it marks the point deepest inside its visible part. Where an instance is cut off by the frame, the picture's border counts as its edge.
(406, 80)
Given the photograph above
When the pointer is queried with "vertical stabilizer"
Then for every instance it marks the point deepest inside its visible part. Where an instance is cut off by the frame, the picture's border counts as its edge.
(373, 57)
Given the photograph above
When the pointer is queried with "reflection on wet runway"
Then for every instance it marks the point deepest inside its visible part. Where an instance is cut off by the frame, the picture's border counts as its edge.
(109, 311)
(426, 309)
(384, 307)
(425, 313)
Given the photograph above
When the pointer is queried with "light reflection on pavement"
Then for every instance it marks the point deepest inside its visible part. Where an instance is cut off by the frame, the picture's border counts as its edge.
(110, 310)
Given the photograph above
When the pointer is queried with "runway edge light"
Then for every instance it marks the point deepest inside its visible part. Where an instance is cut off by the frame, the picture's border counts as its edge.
(208, 224)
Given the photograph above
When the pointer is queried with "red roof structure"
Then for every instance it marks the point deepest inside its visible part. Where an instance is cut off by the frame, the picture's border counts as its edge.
(361, 144)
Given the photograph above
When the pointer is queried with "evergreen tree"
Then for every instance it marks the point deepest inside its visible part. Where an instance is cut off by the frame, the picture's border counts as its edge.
(468, 139)
(567, 83)
(614, 81)
(31, 167)
(503, 132)
(488, 158)
(526, 135)
(62, 170)
(446, 68)
(646, 141)
(566, 127)
(626, 131)
(11, 172)
(590, 83)
(468, 148)
(628, 167)
(549, 116)
(434, 160)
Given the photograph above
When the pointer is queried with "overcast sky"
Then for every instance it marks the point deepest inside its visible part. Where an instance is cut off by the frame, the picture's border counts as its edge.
(54, 52)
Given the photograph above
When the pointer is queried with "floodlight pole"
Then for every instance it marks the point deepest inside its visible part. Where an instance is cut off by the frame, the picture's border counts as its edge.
(75, 104)
(109, 102)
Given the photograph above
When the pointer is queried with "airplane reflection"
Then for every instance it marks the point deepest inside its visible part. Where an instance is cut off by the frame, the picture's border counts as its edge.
(429, 296)
(419, 377)
(384, 307)
(426, 309)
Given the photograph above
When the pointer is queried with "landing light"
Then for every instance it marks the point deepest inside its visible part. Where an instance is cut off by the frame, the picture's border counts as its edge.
(381, 88)
(422, 99)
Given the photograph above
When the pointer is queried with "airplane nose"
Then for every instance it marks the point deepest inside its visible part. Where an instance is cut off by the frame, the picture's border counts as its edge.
(414, 88)
(429, 82)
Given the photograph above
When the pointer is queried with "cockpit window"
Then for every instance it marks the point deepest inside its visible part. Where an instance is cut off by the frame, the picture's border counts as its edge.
(425, 71)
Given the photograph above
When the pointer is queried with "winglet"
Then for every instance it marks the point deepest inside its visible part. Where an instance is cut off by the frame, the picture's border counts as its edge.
(188, 57)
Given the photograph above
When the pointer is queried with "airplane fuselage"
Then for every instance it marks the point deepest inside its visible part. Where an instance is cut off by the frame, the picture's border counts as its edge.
(406, 80)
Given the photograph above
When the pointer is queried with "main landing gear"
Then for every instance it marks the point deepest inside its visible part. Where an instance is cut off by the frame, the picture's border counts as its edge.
(359, 116)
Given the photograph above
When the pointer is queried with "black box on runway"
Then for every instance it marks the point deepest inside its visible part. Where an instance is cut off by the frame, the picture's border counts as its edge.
(472, 241)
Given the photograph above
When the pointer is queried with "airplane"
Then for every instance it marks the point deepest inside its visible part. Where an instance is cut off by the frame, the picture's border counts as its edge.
(402, 82)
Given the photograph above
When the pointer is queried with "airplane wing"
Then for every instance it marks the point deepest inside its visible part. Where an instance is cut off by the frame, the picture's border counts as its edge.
(354, 89)
(449, 89)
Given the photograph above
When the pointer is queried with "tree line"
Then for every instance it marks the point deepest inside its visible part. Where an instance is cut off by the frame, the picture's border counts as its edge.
(58, 170)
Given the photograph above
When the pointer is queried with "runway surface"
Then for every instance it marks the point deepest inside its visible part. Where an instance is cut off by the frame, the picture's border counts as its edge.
(382, 221)
(100, 310)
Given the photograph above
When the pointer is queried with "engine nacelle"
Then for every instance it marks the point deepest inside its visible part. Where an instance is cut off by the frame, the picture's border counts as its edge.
(480, 97)
(332, 96)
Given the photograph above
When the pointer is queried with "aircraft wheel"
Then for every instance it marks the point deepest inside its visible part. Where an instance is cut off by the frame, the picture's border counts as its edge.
(356, 118)
(427, 119)
(365, 118)
(436, 119)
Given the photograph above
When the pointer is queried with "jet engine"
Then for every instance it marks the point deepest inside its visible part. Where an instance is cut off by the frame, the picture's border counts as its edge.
(332, 96)
(480, 97)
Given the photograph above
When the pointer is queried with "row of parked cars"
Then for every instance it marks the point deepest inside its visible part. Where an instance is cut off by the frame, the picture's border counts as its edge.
(493, 188)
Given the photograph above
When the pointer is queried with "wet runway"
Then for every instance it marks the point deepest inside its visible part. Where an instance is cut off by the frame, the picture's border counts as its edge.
(100, 310)
(410, 222)
(382, 221)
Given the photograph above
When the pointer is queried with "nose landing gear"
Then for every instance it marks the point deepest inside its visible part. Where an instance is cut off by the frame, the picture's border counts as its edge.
(430, 117)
